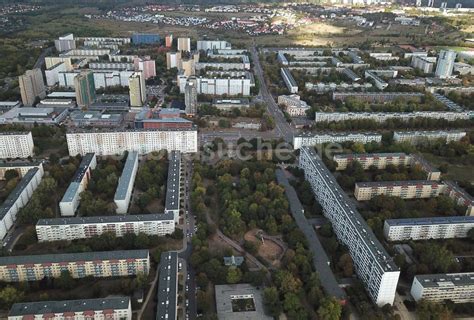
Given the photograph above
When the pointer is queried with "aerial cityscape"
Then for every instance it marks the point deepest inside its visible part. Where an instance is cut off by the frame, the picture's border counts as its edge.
(249, 160)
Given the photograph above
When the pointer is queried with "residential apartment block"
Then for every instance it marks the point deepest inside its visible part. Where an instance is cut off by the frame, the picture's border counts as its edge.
(456, 287)
(64, 43)
(31, 86)
(231, 83)
(444, 68)
(58, 229)
(82, 264)
(413, 189)
(173, 185)
(425, 64)
(123, 194)
(16, 145)
(382, 160)
(105, 308)
(141, 140)
(70, 201)
(376, 97)
(213, 45)
(294, 105)
(311, 139)
(21, 168)
(427, 228)
(384, 116)
(289, 80)
(373, 264)
(167, 293)
(18, 198)
(416, 137)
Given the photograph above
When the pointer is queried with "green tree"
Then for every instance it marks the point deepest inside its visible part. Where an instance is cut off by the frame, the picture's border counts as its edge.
(234, 275)
(10, 295)
(330, 309)
(271, 300)
(65, 281)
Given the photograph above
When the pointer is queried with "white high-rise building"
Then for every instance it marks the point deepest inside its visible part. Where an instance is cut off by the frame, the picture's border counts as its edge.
(16, 145)
(213, 45)
(65, 43)
(141, 140)
(184, 44)
(445, 65)
(373, 264)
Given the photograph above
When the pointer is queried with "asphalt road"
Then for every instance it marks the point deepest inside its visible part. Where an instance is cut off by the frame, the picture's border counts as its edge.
(40, 61)
(282, 128)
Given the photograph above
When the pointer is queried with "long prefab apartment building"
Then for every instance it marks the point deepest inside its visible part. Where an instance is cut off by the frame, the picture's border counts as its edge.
(18, 198)
(373, 264)
(71, 198)
(307, 139)
(123, 194)
(173, 185)
(106, 308)
(456, 287)
(427, 228)
(141, 140)
(16, 145)
(73, 228)
(95, 264)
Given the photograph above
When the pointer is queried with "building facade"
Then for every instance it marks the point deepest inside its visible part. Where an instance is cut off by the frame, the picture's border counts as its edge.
(145, 38)
(84, 86)
(141, 140)
(70, 201)
(66, 229)
(123, 194)
(79, 265)
(311, 139)
(456, 287)
(294, 105)
(173, 185)
(32, 86)
(18, 198)
(21, 168)
(376, 97)
(427, 228)
(444, 68)
(190, 97)
(413, 189)
(184, 44)
(416, 137)
(289, 80)
(137, 89)
(384, 116)
(107, 308)
(65, 43)
(213, 45)
(373, 264)
(16, 145)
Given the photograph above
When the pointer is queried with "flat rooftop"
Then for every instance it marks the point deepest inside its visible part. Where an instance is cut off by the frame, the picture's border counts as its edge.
(167, 293)
(78, 176)
(48, 307)
(443, 279)
(74, 257)
(173, 183)
(127, 175)
(407, 183)
(105, 219)
(430, 221)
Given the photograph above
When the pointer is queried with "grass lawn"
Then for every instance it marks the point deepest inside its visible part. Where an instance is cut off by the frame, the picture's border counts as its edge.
(456, 171)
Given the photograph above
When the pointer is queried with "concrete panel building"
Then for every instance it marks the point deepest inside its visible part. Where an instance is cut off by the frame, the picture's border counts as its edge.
(190, 96)
(105, 308)
(141, 140)
(84, 86)
(444, 68)
(31, 86)
(21, 168)
(289, 80)
(137, 89)
(65, 43)
(412, 189)
(167, 293)
(145, 38)
(294, 105)
(70, 201)
(52, 74)
(311, 139)
(18, 198)
(427, 228)
(231, 83)
(96, 264)
(213, 45)
(173, 185)
(456, 287)
(123, 194)
(16, 145)
(173, 60)
(373, 265)
(381, 117)
(66, 229)
(416, 137)
(184, 44)
(377, 97)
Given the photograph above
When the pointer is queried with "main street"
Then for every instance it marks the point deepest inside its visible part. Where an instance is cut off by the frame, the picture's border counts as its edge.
(282, 128)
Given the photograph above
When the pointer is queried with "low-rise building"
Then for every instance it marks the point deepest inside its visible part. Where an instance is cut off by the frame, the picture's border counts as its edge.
(379, 82)
(294, 105)
(31, 116)
(427, 228)
(21, 168)
(229, 104)
(123, 194)
(383, 56)
(70, 201)
(96, 119)
(16, 145)
(376, 97)
(96, 264)
(65, 229)
(167, 293)
(460, 196)
(384, 116)
(141, 140)
(18, 198)
(455, 287)
(311, 139)
(173, 185)
(289, 80)
(104, 308)
(417, 137)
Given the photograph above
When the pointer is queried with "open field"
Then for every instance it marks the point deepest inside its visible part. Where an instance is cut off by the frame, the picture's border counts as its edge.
(457, 171)
(268, 250)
